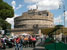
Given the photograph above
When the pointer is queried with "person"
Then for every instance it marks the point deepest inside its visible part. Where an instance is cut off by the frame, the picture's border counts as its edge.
(26, 41)
(30, 41)
(21, 42)
(41, 38)
(4, 43)
(17, 41)
(33, 41)
(1, 45)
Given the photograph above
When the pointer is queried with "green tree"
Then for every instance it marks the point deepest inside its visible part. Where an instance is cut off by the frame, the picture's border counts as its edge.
(4, 24)
(1, 0)
(5, 10)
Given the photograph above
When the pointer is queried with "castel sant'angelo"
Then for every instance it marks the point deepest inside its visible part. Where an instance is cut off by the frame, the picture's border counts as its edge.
(32, 21)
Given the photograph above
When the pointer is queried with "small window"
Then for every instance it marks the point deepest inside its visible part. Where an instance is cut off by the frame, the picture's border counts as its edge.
(39, 13)
(47, 14)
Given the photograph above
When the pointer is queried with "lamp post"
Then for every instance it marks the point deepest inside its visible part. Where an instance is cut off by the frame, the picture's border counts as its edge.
(64, 12)
(64, 18)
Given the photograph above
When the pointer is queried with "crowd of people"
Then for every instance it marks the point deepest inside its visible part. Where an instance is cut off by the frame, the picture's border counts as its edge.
(6, 42)
(25, 41)
(18, 42)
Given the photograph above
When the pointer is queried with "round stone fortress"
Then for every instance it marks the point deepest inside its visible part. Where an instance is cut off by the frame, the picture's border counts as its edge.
(32, 21)
(34, 18)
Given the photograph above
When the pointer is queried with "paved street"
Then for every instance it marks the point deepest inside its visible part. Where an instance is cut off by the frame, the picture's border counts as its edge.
(37, 48)
(23, 49)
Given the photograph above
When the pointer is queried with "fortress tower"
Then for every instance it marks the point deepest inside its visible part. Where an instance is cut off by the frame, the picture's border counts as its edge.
(33, 20)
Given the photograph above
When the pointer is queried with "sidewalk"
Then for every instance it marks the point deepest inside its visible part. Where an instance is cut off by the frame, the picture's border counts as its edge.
(39, 45)
(39, 48)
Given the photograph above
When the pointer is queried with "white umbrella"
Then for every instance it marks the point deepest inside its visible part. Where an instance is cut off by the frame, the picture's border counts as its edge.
(24, 34)
(14, 36)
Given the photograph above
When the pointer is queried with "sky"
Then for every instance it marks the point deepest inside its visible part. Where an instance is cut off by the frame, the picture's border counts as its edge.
(54, 6)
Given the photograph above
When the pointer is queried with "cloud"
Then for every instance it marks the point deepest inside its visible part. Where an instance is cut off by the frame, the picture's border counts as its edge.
(31, 7)
(66, 15)
(11, 20)
(14, 5)
(31, 1)
(66, 18)
(44, 4)
(58, 20)
(19, 6)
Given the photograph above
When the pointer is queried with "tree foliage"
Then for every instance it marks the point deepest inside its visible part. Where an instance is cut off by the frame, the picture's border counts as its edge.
(59, 26)
(6, 10)
(4, 24)
(1, 0)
